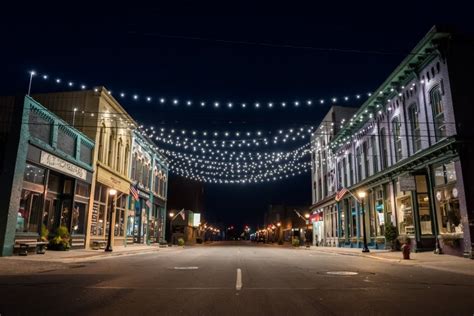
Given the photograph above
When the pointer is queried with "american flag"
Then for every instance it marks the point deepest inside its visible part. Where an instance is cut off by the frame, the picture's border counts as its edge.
(340, 194)
(134, 191)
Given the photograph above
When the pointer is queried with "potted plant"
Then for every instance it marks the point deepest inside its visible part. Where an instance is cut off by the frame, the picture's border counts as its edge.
(61, 239)
(180, 242)
(390, 235)
(41, 248)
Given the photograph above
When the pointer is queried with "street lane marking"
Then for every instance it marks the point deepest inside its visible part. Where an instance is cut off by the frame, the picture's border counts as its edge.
(238, 282)
(186, 268)
(342, 273)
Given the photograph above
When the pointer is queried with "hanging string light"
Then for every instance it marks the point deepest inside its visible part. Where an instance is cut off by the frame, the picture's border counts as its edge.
(187, 103)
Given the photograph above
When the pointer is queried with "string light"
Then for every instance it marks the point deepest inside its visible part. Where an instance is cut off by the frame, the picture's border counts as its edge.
(216, 104)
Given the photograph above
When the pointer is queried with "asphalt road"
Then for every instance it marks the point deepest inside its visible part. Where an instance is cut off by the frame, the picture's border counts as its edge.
(236, 279)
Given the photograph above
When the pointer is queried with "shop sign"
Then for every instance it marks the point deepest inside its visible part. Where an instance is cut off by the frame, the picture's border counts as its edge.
(62, 165)
(407, 183)
(111, 180)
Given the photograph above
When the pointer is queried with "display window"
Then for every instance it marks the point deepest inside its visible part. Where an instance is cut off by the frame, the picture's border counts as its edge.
(404, 203)
(447, 202)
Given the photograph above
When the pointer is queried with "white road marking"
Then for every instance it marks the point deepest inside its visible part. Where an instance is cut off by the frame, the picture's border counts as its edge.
(238, 282)
(186, 268)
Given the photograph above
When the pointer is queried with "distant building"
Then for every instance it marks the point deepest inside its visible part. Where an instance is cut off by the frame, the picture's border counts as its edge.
(283, 222)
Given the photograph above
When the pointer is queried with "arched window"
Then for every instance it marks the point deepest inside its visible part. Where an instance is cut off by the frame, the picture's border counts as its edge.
(101, 143)
(384, 148)
(437, 108)
(134, 166)
(118, 162)
(397, 138)
(110, 158)
(127, 153)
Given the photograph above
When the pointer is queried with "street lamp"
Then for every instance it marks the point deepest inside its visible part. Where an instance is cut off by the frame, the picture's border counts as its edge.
(361, 195)
(112, 193)
(171, 214)
(32, 73)
(74, 116)
(306, 215)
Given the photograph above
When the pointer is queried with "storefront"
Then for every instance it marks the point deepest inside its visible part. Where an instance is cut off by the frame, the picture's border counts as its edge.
(142, 218)
(55, 193)
(57, 178)
(448, 210)
(103, 203)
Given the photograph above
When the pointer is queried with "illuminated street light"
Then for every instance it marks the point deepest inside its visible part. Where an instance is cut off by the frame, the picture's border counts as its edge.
(112, 193)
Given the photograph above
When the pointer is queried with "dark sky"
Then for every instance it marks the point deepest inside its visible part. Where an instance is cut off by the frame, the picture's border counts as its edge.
(221, 52)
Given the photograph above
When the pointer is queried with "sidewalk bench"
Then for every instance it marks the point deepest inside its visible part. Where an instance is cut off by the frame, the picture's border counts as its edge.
(38, 245)
(98, 244)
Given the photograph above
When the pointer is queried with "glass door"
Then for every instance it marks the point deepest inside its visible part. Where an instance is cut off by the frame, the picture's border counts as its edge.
(50, 213)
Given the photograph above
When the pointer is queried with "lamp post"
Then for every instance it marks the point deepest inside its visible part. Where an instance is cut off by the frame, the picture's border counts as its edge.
(279, 233)
(74, 116)
(171, 220)
(32, 73)
(361, 195)
(112, 193)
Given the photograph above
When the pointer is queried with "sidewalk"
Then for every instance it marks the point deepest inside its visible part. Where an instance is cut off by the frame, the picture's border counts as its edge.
(427, 259)
(88, 254)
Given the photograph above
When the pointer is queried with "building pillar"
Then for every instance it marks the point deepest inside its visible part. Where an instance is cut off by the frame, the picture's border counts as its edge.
(16, 150)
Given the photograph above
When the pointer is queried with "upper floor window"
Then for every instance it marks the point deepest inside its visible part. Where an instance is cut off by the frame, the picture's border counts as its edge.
(397, 138)
(101, 143)
(359, 163)
(437, 107)
(127, 153)
(375, 161)
(365, 149)
(384, 147)
(414, 127)
(118, 164)
(110, 157)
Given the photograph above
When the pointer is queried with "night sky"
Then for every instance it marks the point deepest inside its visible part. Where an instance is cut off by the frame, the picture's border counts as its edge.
(239, 53)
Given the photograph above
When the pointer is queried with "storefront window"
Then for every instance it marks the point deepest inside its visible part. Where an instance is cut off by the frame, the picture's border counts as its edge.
(343, 222)
(54, 183)
(121, 204)
(78, 219)
(447, 202)
(65, 213)
(379, 214)
(29, 213)
(34, 174)
(99, 210)
(406, 224)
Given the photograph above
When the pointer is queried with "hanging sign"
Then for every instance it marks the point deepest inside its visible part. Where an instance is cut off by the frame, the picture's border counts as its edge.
(407, 183)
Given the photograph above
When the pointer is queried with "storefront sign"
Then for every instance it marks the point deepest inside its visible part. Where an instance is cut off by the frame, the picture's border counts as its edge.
(112, 181)
(407, 183)
(62, 165)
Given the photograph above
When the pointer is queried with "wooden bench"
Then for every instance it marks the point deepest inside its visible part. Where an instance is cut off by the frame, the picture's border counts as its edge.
(38, 245)
(98, 244)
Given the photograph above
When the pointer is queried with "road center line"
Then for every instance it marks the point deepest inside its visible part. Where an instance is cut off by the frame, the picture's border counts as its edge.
(238, 283)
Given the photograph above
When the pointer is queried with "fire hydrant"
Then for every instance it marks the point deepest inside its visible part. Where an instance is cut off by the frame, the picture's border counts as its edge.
(406, 251)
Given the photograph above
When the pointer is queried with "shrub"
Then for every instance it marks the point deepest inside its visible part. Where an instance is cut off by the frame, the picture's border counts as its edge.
(44, 233)
(180, 242)
(390, 232)
(61, 239)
